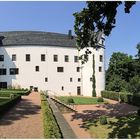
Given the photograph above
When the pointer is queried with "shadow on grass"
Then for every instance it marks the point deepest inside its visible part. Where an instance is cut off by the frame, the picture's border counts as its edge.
(125, 127)
(23, 109)
(90, 117)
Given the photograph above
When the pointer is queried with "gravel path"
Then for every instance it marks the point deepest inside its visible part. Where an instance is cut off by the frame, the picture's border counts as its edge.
(24, 120)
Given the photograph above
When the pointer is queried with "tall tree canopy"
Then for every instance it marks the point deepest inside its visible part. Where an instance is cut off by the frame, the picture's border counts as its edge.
(97, 16)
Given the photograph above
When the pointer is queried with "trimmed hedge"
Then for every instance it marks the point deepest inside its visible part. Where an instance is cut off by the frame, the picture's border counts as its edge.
(110, 95)
(129, 98)
(6, 92)
(51, 129)
(9, 103)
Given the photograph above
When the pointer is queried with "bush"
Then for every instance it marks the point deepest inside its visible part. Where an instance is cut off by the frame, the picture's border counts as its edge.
(70, 101)
(110, 95)
(51, 128)
(136, 100)
(138, 112)
(100, 99)
(125, 97)
(103, 120)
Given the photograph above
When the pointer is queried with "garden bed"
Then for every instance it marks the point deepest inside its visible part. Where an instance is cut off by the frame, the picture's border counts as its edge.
(80, 100)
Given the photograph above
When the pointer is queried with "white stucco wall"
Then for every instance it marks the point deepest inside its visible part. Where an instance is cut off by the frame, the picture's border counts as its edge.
(29, 77)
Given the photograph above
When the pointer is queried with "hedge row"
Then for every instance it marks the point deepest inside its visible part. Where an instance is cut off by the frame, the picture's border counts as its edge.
(110, 95)
(7, 92)
(9, 103)
(129, 98)
(51, 129)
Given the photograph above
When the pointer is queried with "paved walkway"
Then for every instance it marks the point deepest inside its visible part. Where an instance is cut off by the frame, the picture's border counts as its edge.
(24, 120)
(87, 113)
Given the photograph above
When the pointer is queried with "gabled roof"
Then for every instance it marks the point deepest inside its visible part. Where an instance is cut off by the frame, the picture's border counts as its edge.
(15, 38)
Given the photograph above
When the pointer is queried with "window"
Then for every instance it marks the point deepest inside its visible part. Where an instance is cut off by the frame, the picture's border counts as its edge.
(101, 58)
(102, 42)
(27, 57)
(79, 79)
(78, 69)
(62, 88)
(46, 79)
(14, 71)
(1, 57)
(55, 58)
(66, 58)
(42, 57)
(60, 69)
(70, 79)
(100, 69)
(36, 68)
(75, 58)
(2, 71)
(13, 57)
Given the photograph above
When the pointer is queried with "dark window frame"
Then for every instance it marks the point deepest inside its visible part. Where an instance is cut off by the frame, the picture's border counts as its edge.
(60, 69)
(3, 71)
(78, 69)
(28, 57)
(43, 58)
(76, 59)
(55, 58)
(14, 57)
(37, 68)
(100, 69)
(46, 79)
(66, 58)
(101, 58)
(1, 57)
(14, 71)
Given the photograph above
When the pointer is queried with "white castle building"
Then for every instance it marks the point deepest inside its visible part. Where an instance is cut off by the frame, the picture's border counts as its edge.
(48, 61)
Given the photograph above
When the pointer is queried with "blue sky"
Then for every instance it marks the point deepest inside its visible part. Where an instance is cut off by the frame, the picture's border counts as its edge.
(57, 17)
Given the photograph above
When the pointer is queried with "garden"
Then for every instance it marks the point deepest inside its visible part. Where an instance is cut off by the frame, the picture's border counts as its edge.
(9, 97)
(79, 100)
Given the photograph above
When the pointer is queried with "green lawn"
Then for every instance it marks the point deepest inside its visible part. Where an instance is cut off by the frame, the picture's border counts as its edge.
(123, 127)
(79, 100)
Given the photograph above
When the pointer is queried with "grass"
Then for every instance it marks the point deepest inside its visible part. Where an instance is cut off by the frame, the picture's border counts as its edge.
(80, 100)
(122, 127)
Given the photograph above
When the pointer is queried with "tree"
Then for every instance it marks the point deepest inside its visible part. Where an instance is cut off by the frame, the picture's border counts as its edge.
(138, 48)
(97, 16)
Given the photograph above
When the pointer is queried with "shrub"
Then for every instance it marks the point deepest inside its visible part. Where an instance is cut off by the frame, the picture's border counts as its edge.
(100, 99)
(103, 120)
(136, 100)
(110, 95)
(51, 128)
(138, 112)
(125, 97)
(70, 101)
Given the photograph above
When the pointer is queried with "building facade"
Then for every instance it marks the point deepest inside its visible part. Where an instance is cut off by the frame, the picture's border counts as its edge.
(48, 61)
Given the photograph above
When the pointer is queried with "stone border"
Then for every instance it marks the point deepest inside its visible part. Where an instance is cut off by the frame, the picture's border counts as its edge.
(65, 128)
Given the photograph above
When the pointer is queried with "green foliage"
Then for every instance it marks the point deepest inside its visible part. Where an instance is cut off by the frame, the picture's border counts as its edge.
(97, 16)
(125, 97)
(100, 99)
(6, 104)
(134, 85)
(51, 129)
(70, 101)
(110, 95)
(103, 120)
(138, 112)
(79, 100)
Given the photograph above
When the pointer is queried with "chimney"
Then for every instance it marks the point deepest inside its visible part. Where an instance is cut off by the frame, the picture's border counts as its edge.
(70, 34)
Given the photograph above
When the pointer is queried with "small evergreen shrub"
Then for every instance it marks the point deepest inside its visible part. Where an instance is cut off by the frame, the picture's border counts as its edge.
(138, 112)
(70, 101)
(100, 99)
(103, 120)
